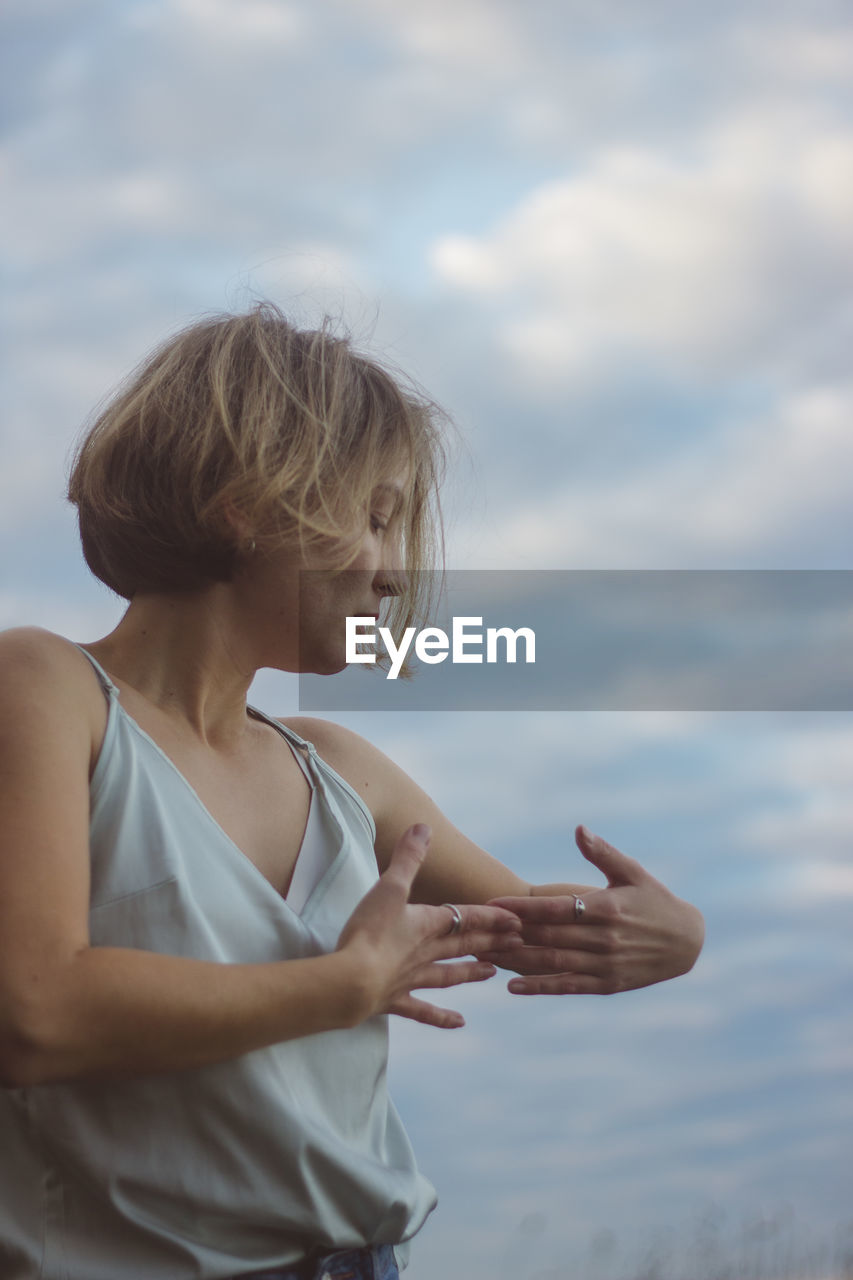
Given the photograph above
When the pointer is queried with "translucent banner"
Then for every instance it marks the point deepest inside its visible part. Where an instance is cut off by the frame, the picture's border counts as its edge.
(659, 640)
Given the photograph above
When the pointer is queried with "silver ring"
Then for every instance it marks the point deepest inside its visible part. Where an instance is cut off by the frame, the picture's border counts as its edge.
(456, 922)
(580, 906)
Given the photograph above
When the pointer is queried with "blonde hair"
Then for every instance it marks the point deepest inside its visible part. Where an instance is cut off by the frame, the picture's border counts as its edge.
(292, 429)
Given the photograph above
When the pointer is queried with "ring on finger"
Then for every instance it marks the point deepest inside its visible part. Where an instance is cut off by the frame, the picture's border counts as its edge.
(456, 922)
(580, 906)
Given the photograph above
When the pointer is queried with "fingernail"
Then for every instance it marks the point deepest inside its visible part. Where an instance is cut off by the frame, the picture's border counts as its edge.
(422, 832)
(587, 834)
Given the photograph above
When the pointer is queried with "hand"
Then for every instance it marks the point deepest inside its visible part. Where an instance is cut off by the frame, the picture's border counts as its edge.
(632, 934)
(400, 946)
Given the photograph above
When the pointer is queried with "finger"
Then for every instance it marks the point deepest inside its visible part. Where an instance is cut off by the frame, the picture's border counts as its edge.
(574, 936)
(453, 974)
(452, 946)
(430, 1014)
(545, 961)
(557, 909)
(476, 923)
(563, 984)
(615, 865)
(490, 917)
(503, 960)
(408, 856)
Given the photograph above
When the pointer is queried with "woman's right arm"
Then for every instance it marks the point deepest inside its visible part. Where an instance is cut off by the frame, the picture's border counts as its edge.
(68, 1009)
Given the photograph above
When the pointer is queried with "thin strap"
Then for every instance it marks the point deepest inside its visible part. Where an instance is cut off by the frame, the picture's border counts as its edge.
(322, 768)
(106, 683)
(290, 734)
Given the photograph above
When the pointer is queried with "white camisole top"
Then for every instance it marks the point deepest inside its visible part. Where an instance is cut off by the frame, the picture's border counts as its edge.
(247, 1164)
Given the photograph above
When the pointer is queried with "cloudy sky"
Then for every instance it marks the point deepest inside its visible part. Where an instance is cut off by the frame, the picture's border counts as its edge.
(614, 240)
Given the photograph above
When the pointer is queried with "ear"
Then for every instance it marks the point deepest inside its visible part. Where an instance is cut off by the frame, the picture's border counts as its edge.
(238, 523)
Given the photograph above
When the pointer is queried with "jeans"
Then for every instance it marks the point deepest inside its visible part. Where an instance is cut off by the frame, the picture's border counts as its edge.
(373, 1263)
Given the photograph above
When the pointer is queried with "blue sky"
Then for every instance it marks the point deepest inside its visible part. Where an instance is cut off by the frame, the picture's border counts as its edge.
(614, 241)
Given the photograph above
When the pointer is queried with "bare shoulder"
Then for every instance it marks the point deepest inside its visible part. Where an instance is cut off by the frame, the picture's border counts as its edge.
(388, 791)
(48, 720)
(32, 653)
(326, 734)
(456, 869)
(43, 673)
(367, 769)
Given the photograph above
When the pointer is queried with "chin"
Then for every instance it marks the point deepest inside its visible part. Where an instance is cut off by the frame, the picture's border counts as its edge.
(325, 666)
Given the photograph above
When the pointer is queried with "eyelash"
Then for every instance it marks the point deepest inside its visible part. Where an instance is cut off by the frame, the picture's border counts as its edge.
(376, 524)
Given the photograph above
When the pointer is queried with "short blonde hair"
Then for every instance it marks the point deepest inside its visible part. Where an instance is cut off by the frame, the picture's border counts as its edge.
(291, 428)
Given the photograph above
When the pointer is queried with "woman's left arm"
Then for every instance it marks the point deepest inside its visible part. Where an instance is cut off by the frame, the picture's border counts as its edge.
(633, 932)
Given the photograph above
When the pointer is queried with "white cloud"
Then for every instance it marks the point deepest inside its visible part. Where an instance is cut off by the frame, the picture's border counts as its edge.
(820, 881)
(719, 501)
(471, 37)
(122, 201)
(809, 837)
(812, 849)
(708, 259)
(818, 754)
(509, 778)
(151, 200)
(269, 23)
(85, 619)
(794, 51)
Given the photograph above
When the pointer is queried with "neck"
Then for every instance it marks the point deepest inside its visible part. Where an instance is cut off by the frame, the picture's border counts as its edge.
(189, 656)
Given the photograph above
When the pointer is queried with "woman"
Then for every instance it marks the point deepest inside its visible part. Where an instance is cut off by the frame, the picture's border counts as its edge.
(196, 955)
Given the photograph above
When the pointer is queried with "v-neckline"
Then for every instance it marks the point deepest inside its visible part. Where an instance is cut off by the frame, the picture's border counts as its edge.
(250, 862)
(306, 768)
